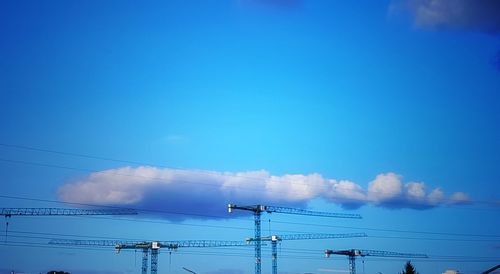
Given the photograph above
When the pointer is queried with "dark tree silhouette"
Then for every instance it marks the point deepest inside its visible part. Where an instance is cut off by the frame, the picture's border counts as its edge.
(409, 269)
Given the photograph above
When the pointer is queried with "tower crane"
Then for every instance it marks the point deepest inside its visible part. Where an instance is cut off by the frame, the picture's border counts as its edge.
(353, 253)
(259, 209)
(274, 239)
(50, 211)
(146, 246)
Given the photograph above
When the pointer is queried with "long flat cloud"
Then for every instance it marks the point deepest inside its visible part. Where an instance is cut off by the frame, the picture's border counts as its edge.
(204, 194)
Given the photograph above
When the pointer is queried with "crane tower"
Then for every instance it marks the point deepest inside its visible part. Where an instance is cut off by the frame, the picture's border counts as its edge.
(274, 239)
(147, 247)
(259, 209)
(353, 253)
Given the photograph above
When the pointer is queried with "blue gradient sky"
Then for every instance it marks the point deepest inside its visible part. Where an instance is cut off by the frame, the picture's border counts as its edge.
(348, 91)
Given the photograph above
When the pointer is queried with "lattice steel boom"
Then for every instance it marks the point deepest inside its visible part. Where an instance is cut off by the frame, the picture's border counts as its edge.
(137, 245)
(353, 253)
(289, 210)
(274, 239)
(8, 212)
(50, 211)
(147, 246)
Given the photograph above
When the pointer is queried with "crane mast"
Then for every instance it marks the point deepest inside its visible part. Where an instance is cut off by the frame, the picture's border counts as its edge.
(259, 209)
(274, 239)
(353, 253)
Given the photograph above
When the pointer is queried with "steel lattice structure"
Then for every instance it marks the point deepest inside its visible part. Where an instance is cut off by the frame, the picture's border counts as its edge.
(353, 253)
(8, 212)
(51, 211)
(257, 211)
(274, 239)
(148, 247)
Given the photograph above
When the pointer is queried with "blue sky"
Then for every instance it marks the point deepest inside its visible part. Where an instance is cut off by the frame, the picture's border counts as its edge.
(389, 109)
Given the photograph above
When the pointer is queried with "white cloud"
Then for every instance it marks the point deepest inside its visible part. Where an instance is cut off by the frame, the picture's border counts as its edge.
(345, 193)
(204, 194)
(435, 197)
(296, 187)
(415, 191)
(459, 198)
(385, 187)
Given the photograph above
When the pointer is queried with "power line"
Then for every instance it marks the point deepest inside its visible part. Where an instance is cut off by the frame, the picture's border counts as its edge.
(72, 235)
(494, 237)
(391, 230)
(88, 156)
(431, 239)
(224, 253)
(80, 155)
(53, 235)
(245, 228)
(258, 190)
(108, 206)
(285, 249)
(287, 254)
